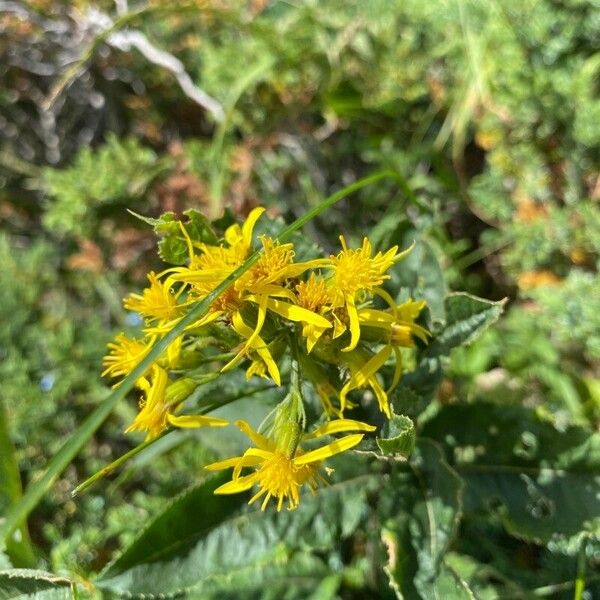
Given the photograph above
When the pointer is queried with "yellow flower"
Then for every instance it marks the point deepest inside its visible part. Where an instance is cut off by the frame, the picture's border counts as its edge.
(356, 276)
(156, 302)
(123, 356)
(264, 285)
(313, 295)
(400, 327)
(157, 410)
(280, 471)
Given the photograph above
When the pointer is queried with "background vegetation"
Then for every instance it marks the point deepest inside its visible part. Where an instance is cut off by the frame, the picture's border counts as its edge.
(489, 114)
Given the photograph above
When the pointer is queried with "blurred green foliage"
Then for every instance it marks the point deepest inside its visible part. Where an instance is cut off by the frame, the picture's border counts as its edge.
(488, 112)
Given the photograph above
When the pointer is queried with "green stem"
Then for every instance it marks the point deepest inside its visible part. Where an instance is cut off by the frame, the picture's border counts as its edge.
(115, 464)
(36, 491)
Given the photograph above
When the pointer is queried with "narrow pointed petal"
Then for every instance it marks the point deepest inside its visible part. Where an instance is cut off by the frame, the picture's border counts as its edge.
(337, 426)
(404, 253)
(223, 464)
(297, 313)
(248, 226)
(336, 447)
(354, 325)
(193, 421)
(259, 440)
(390, 301)
(375, 318)
(238, 485)
(363, 375)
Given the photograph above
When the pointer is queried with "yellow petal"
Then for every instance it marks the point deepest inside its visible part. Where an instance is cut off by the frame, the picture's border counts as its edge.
(258, 453)
(260, 320)
(193, 421)
(237, 485)
(362, 376)
(383, 294)
(354, 324)
(297, 313)
(223, 464)
(375, 318)
(259, 440)
(381, 396)
(271, 365)
(336, 447)
(337, 426)
(248, 226)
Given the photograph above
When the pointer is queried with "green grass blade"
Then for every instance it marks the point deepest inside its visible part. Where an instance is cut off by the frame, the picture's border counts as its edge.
(20, 551)
(19, 512)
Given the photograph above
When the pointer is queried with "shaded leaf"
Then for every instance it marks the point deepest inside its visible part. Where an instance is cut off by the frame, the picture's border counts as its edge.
(189, 516)
(543, 483)
(249, 551)
(424, 508)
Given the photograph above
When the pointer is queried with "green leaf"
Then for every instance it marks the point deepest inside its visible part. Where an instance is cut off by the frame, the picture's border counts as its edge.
(180, 521)
(544, 484)
(467, 317)
(28, 583)
(400, 436)
(247, 552)
(424, 507)
(35, 492)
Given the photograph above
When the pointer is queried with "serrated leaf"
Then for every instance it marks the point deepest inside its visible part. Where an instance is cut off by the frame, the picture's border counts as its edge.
(400, 436)
(543, 483)
(248, 551)
(29, 583)
(181, 520)
(467, 317)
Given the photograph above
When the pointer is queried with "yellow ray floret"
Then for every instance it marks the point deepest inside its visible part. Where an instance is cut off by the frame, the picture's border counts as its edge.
(279, 474)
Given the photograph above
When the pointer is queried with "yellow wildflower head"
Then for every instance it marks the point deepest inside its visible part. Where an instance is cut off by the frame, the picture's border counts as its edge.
(313, 294)
(357, 271)
(271, 268)
(156, 302)
(280, 472)
(356, 274)
(123, 356)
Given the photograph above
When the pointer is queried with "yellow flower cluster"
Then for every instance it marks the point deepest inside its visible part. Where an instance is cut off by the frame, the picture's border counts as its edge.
(322, 311)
